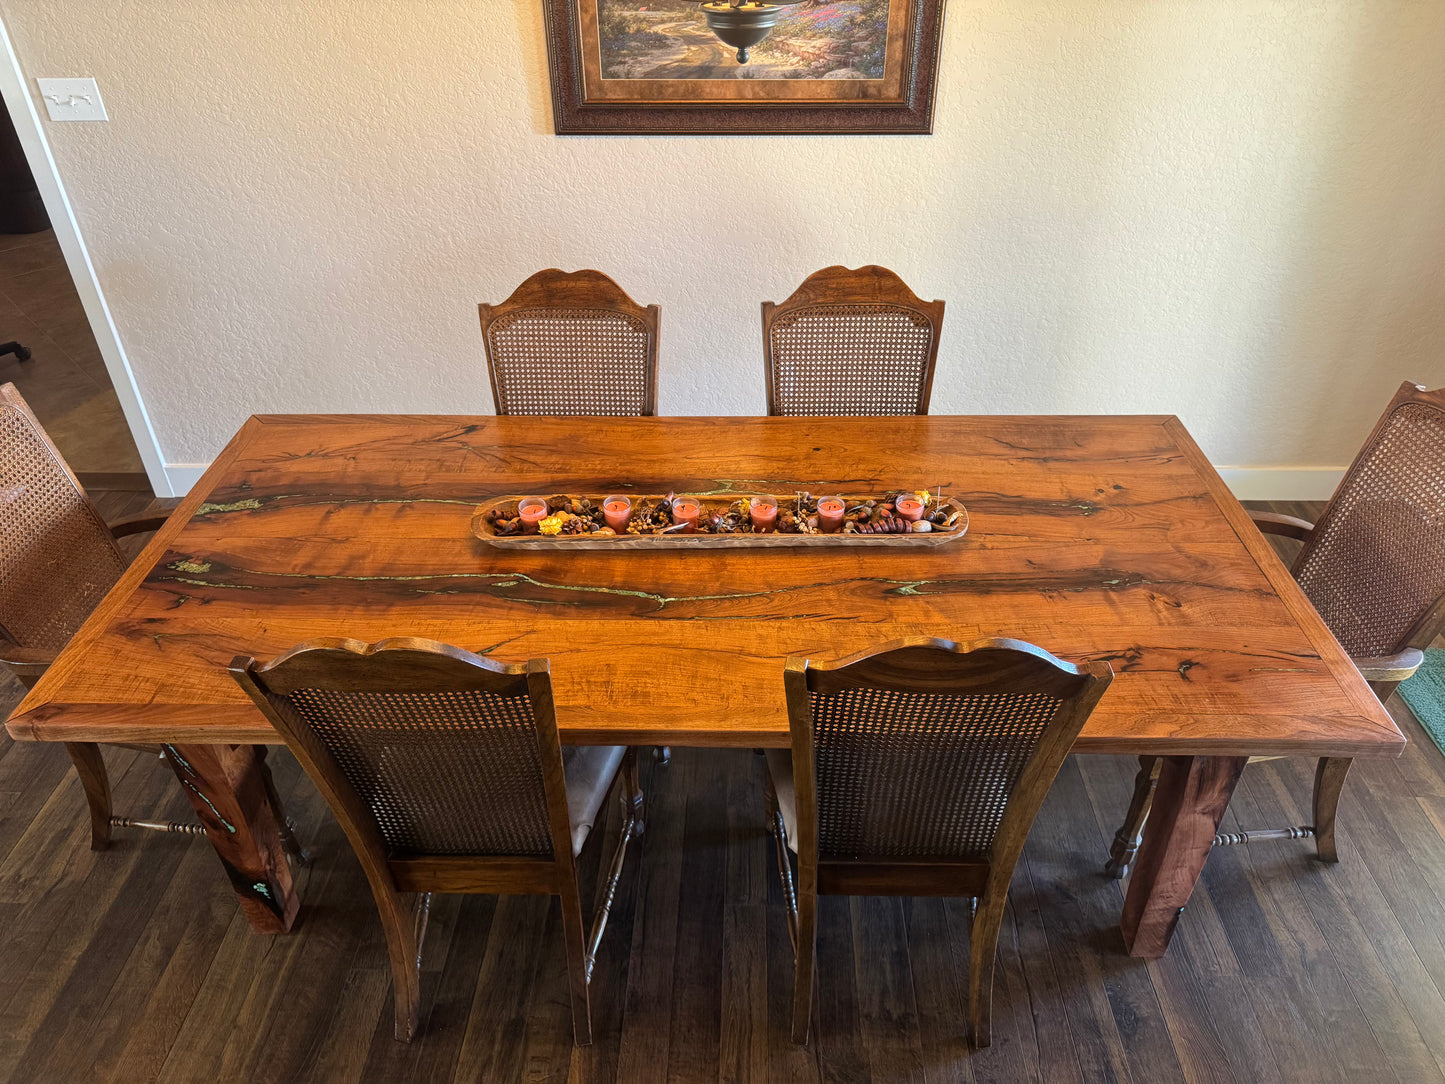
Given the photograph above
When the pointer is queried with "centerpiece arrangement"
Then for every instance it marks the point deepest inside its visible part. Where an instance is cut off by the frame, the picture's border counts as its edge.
(736, 519)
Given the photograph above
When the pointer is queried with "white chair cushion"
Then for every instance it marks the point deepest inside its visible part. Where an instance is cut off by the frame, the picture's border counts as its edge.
(590, 770)
(780, 767)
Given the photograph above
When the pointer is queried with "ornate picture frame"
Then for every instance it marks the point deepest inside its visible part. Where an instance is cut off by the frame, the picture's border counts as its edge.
(627, 67)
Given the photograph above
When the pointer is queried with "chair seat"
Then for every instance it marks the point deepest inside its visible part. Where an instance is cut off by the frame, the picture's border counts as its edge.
(590, 770)
(780, 768)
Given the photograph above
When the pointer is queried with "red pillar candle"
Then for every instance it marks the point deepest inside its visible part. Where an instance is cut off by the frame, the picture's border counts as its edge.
(764, 513)
(910, 508)
(532, 510)
(686, 510)
(830, 514)
(617, 511)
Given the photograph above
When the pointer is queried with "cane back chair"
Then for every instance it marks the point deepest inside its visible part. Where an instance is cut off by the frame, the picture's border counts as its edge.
(446, 772)
(58, 559)
(572, 344)
(917, 769)
(853, 343)
(1374, 567)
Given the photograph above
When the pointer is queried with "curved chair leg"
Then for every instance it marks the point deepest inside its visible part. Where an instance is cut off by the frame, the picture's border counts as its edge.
(91, 769)
(575, 938)
(806, 957)
(1126, 839)
(404, 933)
(983, 948)
(1329, 782)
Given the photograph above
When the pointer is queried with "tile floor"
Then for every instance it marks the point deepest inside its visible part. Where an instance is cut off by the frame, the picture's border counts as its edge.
(65, 382)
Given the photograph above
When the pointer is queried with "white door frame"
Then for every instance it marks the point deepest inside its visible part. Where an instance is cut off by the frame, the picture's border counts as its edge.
(15, 98)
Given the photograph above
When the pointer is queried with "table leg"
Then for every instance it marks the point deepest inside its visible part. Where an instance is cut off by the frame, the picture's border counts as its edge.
(226, 785)
(1189, 803)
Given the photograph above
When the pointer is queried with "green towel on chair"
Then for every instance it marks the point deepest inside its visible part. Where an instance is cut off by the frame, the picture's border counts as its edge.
(1425, 693)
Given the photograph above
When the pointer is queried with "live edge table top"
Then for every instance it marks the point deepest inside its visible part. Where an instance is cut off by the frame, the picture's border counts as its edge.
(1094, 537)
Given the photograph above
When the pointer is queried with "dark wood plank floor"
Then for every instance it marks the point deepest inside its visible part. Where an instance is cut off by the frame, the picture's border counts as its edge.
(134, 965)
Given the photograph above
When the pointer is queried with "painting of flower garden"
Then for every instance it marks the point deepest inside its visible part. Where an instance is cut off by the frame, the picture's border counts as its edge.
(814, 39)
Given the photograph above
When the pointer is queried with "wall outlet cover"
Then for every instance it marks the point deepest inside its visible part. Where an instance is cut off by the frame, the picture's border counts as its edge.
(72, 99)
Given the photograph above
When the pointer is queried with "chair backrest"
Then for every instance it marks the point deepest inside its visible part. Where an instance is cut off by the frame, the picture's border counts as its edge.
(421, 748)
(572, 344)
(927, 749)
(57, 557)
(1374, 566)
(851, 342)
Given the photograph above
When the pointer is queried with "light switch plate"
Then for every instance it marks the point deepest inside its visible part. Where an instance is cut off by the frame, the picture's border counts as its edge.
(72, 99)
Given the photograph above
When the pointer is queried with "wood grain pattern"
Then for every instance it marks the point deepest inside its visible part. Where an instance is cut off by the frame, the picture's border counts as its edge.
(1107, 539)
(227, 789)
(1190, 802)
(135, 965)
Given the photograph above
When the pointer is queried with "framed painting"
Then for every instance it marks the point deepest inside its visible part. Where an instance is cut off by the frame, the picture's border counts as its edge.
(742, 67)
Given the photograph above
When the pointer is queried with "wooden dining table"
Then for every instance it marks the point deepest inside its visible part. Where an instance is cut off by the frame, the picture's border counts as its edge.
(1108, 538)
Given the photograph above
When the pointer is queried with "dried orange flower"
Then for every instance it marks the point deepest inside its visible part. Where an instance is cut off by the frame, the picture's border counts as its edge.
(924, 496)
(551, 525)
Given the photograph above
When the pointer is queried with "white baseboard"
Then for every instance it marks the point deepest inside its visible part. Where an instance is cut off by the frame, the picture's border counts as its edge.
(1247, 483)
(182, 476)
(1282, 483)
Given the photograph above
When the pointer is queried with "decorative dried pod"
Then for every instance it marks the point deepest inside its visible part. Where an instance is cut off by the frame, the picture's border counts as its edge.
(850, 527)
(921, 527)
(605, 532)
(953, 519)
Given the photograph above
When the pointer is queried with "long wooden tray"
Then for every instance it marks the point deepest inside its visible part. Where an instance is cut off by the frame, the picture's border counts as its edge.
(484, 529)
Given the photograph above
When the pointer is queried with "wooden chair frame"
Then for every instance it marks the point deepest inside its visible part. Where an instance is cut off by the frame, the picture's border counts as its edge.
(587, 289)
(405, 664)
(29, 663)
(839, 285)
(925, 664)
(1382, 673)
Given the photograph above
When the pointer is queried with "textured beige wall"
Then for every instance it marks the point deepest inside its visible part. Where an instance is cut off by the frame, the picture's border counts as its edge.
(1233, 210)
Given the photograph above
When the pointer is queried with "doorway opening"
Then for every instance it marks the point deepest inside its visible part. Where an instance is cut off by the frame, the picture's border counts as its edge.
(47, 347)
